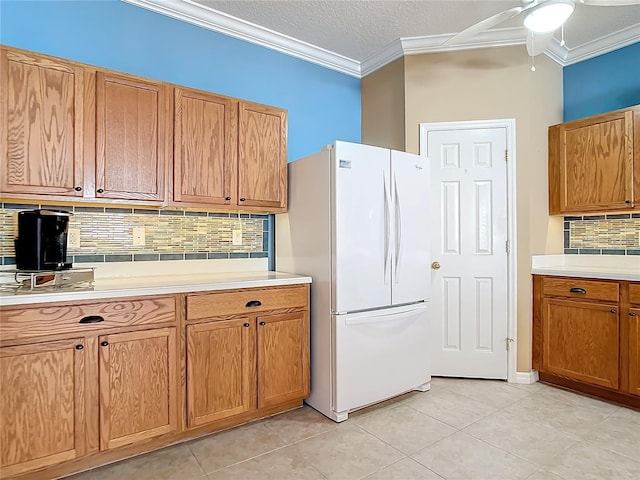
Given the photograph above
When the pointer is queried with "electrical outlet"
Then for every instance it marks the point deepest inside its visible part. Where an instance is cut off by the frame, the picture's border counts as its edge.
(73, 238)
(138, 236)
(237, 237)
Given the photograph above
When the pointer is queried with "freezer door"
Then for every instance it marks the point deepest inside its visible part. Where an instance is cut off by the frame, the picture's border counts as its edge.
(362, 240)
(379, 354)
(411, 259)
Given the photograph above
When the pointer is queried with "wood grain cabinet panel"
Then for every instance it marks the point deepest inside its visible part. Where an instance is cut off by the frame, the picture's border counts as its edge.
(283, 358)
(138, 389)
(131, 131)
(220, 370)
(634, 351)
(205, 148)
(581, 341)
(262, 157)
(42, 409)
(41, 125)
(591, 163)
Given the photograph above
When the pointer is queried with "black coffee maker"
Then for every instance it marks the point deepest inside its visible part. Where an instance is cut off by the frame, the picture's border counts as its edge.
(42, 240)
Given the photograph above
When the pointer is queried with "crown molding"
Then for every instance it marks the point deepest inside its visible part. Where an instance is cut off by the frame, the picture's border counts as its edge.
(217, 21)
(196, 14)
(608, 43)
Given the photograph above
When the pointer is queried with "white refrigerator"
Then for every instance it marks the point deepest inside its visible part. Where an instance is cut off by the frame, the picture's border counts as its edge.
(357, 222)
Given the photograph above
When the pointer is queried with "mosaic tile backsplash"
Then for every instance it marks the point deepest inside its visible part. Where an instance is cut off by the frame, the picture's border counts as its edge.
(106, 234)
(615, 234)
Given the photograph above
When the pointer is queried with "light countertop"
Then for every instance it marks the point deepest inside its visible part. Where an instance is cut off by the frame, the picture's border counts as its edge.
(140, 283)
(612, 267)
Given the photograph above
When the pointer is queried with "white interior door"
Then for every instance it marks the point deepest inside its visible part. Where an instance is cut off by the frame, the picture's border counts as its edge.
(411, 277)
(468, 205)
(362, 238)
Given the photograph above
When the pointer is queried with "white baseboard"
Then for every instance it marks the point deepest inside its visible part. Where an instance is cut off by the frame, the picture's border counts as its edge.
(526, 377)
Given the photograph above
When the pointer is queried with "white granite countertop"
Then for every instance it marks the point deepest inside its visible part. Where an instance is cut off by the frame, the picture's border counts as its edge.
(612, 267)
(155, 281)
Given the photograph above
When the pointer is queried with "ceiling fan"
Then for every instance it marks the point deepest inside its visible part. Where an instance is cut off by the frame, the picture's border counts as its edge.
(542, 19)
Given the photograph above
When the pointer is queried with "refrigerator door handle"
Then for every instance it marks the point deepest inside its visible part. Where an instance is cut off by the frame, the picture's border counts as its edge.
(398, 230)
(377, 318)
(387, 226)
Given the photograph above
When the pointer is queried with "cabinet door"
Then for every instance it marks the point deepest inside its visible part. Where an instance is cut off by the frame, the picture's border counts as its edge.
(581, 341)
(42, 409)
(205, 148)
(220, 370)
(41, 125)
(131, 116)
(138, 388)
(597, 168)
(634, 351)
(283, 358)
(262, 157)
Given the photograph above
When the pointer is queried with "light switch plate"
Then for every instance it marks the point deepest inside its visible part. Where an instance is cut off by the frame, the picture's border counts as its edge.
(73, 238)
(237, 237)
(138, 236)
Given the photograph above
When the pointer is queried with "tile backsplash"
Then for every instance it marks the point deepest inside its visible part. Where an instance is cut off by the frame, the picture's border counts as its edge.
(613, 234)
(106, 234)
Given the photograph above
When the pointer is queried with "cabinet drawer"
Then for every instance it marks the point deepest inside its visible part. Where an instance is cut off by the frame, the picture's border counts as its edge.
(243, 302)
(579, 288)
(634, 293)
(64, 318)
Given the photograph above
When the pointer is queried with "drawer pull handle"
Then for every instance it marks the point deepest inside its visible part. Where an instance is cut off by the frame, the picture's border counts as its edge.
(631, 314)
(578, 290)
(613, 310)
(246, 325)
(263, 324)
(253, 303)
(104, 344)
(79, 347)
(92, 319)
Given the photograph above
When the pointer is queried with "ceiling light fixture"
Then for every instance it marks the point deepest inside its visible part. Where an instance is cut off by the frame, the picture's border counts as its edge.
(549, 15)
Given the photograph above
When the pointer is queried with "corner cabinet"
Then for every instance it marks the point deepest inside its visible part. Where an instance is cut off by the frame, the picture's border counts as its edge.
(594, 163)
(41, 125)
(585, 336)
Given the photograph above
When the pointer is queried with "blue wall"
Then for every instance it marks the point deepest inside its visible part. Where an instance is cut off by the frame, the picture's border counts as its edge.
(323, 105)
(600, 84)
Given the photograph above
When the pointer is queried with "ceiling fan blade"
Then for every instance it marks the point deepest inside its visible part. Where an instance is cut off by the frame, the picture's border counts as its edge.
(609, 3)
(483, 25)
(538, 42)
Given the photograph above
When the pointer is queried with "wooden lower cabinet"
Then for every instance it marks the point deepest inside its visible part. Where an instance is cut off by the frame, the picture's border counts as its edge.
(634, 351)
(42, 404)
(138, 386)
(220, 370)
(581, 341)
(283, 353)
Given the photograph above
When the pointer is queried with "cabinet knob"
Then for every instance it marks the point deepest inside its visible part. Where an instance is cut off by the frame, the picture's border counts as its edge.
(242, 199)
(227, 198)
(631, 314)
(613, 310)
(78, 189)
(262, 324)
(79, 347)
(246, 325)
(104, 344)
(100, 190)
(627, 201)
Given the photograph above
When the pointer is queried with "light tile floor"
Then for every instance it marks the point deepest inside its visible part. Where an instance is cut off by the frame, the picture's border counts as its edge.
(461, 429)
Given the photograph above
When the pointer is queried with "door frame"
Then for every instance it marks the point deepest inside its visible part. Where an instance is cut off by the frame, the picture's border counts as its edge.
(509, 124)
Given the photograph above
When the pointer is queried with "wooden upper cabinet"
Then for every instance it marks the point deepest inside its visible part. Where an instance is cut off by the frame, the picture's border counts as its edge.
(592, 165)
(205, 148)
(41, 126)
(283, 358)
(42, 404)
(262, 157)
(131, 137)
(138, 386)
(220, 370)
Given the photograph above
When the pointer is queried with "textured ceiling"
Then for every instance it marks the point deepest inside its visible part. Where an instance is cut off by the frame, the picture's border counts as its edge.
(358, 29)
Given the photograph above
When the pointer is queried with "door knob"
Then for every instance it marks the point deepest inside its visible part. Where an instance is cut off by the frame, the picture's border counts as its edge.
(435, 265)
